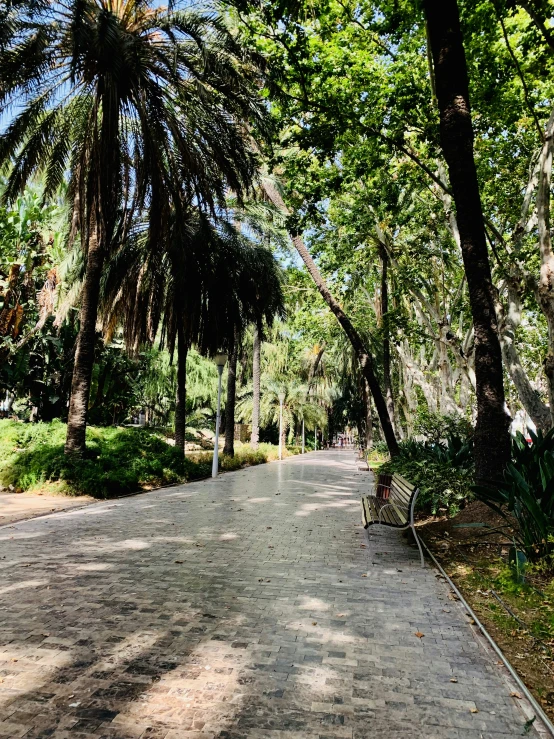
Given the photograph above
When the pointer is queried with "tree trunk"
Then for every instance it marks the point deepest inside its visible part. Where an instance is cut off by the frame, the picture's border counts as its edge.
(492, 438)
(546, 279)
(365, 359)
(387, 382)
(229, 447)
(84, 352)
(368, 421)
(539, 21)
(509, 320)
(315, 365)
(255, 436)
(181, 390)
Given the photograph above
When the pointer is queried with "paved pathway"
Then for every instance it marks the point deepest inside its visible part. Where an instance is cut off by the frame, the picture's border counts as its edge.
(246, 607)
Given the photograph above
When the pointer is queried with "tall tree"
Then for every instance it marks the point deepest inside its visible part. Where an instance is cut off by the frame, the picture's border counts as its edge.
(256, 375)
(492, 439)
(201, 282)
(364, 357)
(385, 319)
(229, 447)
(130, 98)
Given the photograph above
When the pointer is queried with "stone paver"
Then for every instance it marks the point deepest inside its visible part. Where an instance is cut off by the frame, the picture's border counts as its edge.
(249, 606)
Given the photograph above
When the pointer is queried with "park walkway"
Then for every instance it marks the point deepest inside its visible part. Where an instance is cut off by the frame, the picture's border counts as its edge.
(249, 606)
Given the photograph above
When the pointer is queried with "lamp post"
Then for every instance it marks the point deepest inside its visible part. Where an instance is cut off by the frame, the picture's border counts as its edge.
(281, 401)
(315, 440)
(220, 360)
(303, 438)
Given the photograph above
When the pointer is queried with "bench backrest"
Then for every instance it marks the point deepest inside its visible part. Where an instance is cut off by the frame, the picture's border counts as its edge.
(396, 489)
(401, 491)
(382, 488)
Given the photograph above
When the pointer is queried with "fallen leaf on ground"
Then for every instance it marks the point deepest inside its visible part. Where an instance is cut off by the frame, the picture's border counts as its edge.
(453, 679)
(419, 634)
(515, 695)
(474, 710)
(314, 623)
(178, 561)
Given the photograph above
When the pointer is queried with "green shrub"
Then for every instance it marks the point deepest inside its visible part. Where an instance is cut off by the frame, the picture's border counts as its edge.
(118, 460)
(527, 493)
(443, 472)
(457, 452)
(441, 487)
(436, 427)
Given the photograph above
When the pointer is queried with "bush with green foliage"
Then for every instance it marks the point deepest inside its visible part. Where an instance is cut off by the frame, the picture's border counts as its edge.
(443, 472)
(437, 428)
(527, 493)
(442, 489)
(118, 460)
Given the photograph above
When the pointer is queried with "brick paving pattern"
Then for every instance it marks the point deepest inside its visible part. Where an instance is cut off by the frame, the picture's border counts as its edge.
(251, 606)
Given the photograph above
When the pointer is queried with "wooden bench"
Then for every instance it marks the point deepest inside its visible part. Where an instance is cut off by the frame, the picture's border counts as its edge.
(392, 505)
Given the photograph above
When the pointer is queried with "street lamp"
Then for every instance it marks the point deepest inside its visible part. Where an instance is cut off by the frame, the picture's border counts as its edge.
(281, 401)
(315, 440)
(220, 360)
(303, 438)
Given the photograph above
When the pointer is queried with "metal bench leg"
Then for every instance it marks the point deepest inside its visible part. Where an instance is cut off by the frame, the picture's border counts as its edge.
(418, 545)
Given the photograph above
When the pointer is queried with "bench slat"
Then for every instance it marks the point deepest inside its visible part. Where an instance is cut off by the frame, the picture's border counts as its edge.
(399, 485)
(395, 508)
(402, 481)
(391, 515)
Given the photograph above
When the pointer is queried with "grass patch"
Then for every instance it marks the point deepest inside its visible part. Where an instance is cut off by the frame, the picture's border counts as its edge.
(118, 460)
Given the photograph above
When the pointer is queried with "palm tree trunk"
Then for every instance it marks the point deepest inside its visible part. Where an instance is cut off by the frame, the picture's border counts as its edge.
(229, 447)
(368, 421)
(492, 439)
(84, 352)
(364, 357)
(181, 390)
(255, 437)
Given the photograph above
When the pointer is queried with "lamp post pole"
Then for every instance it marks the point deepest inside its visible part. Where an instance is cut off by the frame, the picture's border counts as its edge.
(220, 360)
(281, 400)
(303, 438)
(315, 440)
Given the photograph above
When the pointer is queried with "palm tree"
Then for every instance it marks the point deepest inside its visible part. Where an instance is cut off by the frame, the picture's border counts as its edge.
(298, 405)
(256, 393)
(201, 284)
(131, 99)
(229, 447)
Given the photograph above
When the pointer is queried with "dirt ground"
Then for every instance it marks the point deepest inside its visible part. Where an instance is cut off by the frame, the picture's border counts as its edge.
(519, 617)
(18, 506)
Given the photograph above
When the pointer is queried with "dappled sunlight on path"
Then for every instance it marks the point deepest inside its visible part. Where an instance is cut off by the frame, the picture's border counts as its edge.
(247, 606)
